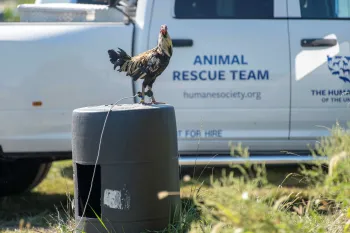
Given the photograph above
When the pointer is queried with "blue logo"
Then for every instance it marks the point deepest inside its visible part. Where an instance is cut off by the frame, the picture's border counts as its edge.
(339, 66)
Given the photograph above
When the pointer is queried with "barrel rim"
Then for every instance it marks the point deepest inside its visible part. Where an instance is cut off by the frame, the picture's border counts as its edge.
(120, 107)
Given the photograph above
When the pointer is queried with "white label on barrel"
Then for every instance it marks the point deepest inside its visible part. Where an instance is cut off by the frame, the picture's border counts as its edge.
(112, 199)
(117, 199)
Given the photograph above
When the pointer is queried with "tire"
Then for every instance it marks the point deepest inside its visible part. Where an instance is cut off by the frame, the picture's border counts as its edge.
(20, 176)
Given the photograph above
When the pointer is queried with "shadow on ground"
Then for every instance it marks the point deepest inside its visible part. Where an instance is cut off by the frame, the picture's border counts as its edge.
(36, 208)
(45, 205)
(67, 172)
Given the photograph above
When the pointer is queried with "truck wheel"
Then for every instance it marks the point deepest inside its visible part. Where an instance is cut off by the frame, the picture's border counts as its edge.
(20, 176)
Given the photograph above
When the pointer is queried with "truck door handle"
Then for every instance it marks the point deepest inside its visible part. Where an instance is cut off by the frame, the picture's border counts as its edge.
(318, 42)
(182, 42)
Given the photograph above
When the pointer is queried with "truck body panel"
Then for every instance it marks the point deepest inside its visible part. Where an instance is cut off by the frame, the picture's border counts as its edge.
(320, 74)
(63, 66)
(233, 83)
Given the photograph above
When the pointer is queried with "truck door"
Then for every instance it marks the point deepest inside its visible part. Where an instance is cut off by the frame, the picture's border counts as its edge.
(229, 76)
(320, 56)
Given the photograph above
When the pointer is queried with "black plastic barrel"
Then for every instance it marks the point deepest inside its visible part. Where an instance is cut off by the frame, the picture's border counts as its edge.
(138, 159)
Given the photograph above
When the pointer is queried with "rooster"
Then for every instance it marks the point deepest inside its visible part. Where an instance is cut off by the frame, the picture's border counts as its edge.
(147, 65)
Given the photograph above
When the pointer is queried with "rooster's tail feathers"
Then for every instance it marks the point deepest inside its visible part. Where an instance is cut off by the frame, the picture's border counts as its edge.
(118, 58)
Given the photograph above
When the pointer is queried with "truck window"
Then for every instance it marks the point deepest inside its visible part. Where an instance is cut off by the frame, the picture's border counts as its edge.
(219, 9)
(324, 9)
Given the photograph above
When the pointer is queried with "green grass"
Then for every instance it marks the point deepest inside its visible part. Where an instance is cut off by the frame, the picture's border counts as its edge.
(249, 198)
(9, 9)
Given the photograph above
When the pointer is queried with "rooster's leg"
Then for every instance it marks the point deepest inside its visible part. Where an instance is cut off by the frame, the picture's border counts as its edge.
(153, 99)
(143, 95)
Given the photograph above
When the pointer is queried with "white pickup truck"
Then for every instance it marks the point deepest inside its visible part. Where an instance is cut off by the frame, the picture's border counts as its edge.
(268, 73)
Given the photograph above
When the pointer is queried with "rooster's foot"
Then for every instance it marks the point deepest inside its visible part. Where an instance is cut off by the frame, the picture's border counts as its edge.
(156, 102)
(144, 103)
